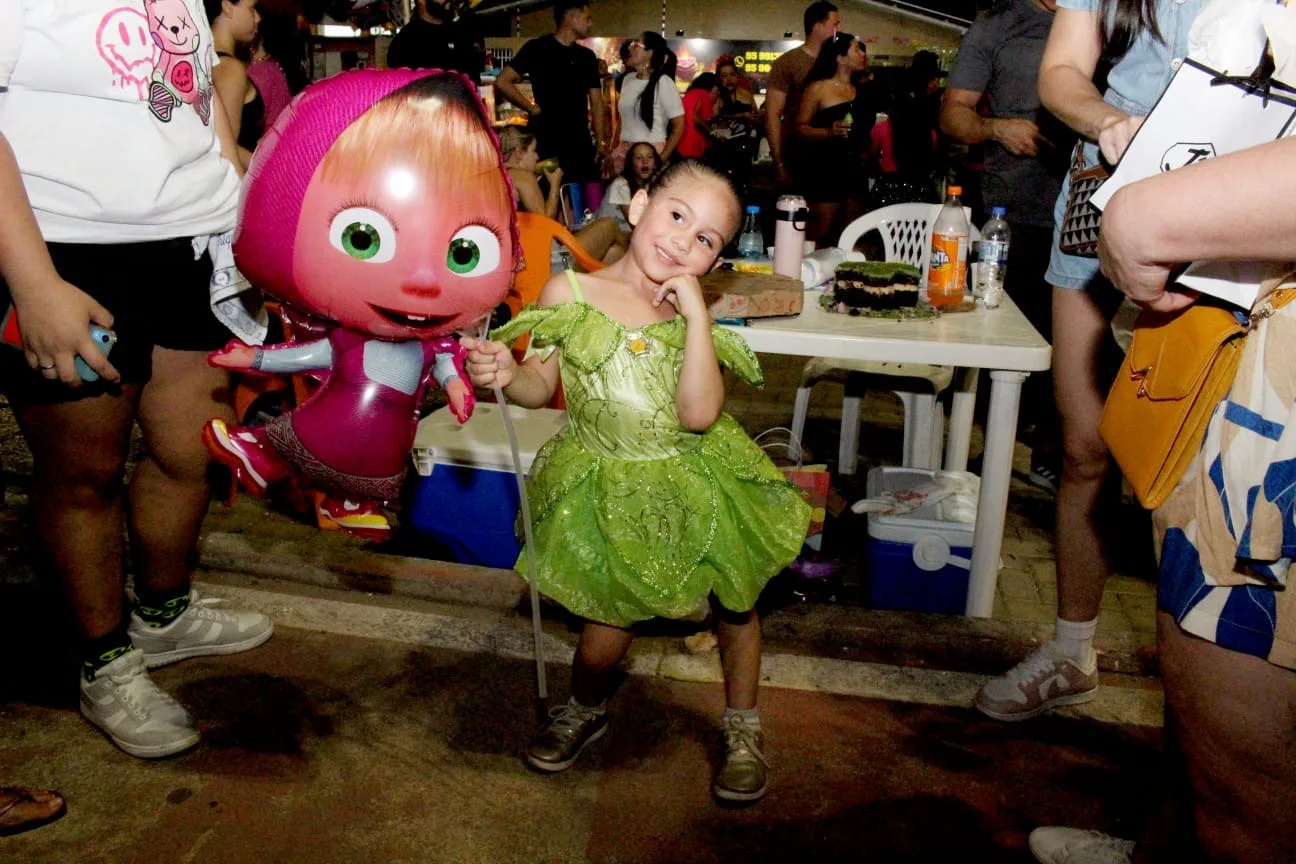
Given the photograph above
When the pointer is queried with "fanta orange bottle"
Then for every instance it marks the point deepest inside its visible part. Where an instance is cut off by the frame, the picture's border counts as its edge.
(947, 266)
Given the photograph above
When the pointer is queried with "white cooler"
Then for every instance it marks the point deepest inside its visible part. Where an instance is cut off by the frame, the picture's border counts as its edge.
(466, 495)
(920, 561)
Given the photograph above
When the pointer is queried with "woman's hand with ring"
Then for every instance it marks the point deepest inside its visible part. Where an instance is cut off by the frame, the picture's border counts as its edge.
(55, 317)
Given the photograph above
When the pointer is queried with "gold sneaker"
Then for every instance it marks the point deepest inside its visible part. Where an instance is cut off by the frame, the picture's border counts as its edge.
(742, 776)
(571, 728)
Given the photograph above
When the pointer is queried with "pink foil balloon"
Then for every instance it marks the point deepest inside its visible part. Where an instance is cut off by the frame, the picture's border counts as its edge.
(379, 204)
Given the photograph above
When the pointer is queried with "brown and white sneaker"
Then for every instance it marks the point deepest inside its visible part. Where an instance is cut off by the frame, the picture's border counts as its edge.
(1047, 679)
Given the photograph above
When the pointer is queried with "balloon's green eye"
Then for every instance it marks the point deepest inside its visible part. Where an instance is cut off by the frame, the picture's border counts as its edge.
(474, 251)
(364, 234)
(361, 241)
(464, 256)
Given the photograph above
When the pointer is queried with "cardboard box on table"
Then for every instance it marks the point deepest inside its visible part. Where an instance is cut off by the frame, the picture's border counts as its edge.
(734, 294)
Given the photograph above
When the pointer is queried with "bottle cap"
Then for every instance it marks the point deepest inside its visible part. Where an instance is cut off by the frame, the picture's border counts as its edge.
(998, 212)
(954, 190)
(752, 208)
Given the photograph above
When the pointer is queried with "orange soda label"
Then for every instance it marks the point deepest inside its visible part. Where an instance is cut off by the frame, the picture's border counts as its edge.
(947, 270)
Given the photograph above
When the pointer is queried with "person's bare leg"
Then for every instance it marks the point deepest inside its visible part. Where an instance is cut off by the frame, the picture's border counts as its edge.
(741, 776)
(823, 215)
(78, 453)
(1064, 671)
(169, 492)
(851, 210)
(600, 650)
(599, 236)
(1079, 328)
(620, 246)
(584, 718)
(1235, 715)
(739, 634)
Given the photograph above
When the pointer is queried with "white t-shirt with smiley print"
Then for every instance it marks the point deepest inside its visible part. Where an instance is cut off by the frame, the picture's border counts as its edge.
(107, 105)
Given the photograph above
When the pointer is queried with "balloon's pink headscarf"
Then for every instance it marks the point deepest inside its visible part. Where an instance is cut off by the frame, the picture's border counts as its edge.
(289, 154)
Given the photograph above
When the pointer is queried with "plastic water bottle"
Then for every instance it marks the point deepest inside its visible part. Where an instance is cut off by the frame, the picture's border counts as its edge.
(993, 259)
(947, 267)
(751, 243)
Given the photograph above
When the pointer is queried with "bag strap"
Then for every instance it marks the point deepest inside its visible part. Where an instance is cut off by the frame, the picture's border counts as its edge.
(1078, 162)
(792, 439)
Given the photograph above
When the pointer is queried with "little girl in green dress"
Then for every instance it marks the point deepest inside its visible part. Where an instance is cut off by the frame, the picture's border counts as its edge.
(651, 502)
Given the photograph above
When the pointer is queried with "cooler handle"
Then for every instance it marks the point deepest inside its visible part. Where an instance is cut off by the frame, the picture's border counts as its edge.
(932, 552)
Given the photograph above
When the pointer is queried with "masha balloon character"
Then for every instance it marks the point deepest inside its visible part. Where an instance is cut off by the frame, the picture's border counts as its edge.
(378, 202)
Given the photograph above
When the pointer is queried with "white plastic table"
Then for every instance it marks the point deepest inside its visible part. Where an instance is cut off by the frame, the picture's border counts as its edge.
(999, 340)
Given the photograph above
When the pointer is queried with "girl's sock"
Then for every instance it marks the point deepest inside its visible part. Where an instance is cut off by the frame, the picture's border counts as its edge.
(592, 709)
(749, 716)
(1075, 639)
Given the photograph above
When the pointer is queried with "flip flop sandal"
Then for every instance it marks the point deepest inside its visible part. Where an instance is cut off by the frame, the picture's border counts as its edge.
(25, 796)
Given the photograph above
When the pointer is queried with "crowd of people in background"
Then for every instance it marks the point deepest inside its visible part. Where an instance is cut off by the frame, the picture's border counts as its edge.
(1022, 94)
(889, 148)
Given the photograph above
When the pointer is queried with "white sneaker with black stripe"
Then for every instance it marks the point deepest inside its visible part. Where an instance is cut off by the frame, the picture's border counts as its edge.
(207, 627)
(133, 712)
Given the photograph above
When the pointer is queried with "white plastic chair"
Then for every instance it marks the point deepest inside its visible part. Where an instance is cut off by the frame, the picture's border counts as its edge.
(906, 236)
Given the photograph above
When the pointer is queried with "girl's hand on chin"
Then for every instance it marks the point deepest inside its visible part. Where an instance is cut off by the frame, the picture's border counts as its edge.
(685, 294)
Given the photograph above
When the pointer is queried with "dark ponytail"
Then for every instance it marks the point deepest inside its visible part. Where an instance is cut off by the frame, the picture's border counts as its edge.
(663, 64)
(1123, 21)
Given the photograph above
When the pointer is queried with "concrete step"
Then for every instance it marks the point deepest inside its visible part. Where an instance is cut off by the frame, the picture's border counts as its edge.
(249, 540)
(1123, 699)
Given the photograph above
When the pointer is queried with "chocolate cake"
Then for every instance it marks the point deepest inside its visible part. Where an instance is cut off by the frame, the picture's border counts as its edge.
(875, 286)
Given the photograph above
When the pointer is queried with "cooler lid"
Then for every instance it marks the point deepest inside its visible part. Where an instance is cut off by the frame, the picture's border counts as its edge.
(947, 518)
(482, 441)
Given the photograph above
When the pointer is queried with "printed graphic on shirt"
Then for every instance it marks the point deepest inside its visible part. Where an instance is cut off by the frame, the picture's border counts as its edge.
(161, 53)
(127, 48)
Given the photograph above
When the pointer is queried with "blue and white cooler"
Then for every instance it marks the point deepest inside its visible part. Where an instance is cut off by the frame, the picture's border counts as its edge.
(466, 495)
(921, 560)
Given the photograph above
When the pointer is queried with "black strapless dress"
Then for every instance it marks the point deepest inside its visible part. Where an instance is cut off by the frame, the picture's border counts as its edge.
(252, 126)
(830, 169)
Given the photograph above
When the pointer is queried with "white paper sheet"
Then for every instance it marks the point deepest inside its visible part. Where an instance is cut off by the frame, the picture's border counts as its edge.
(1236, 282)
(1194, 121)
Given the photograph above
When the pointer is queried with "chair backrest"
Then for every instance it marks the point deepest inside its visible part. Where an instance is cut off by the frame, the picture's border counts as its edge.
(537, 234)
(906, 231)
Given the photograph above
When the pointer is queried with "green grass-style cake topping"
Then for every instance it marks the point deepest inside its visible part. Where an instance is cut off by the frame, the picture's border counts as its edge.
(877, 270)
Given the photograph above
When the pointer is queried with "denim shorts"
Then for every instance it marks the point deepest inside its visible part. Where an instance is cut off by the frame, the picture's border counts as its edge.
(1070, 271)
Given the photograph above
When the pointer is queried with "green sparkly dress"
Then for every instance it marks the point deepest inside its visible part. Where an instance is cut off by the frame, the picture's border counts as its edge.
(635, 517)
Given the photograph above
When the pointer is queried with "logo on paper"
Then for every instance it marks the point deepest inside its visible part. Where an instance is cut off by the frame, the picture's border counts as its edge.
(1183, 154)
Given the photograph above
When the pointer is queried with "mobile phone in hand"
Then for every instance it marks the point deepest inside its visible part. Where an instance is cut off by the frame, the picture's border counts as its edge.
(103, 338)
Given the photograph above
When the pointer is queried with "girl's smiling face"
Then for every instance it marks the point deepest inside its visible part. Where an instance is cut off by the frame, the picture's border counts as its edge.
(394, 253)
(683, 226)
